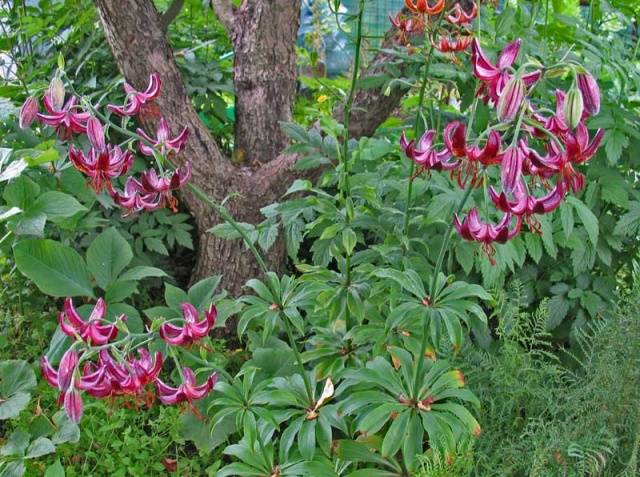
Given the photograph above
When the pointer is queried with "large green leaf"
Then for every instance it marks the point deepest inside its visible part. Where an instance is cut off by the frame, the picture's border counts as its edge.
(56, 269)
(107, 256)
(17, 379)
(57, 206)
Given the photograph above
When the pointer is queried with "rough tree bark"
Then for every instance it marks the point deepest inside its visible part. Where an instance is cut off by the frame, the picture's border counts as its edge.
(263, 34)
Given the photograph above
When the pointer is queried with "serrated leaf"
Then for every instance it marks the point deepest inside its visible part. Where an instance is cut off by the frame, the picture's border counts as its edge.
(588, 218)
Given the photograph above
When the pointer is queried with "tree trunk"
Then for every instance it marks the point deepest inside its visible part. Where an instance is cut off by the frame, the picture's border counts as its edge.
(263, 33)
(264, 38)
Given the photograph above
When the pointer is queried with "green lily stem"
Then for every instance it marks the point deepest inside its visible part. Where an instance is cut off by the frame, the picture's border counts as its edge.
(416, 128)
(299, 363)
(345, 189)
(445, 243)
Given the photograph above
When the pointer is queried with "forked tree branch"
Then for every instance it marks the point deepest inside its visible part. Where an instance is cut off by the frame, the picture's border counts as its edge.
(225, 12)
(171, 13)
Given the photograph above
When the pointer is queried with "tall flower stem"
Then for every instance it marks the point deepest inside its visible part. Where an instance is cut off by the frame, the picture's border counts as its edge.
(416, 124)
(296, 352)
(345, 187)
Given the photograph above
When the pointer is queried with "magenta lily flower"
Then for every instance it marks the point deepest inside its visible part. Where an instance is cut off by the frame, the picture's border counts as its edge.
(588, 86)
(162, 141)
(136, 100)
(63, 379)
(188, 391)
(525, 204)
(131, 376)
(425, 155)
(66, 120)
(101, 166)
(151, 191)
(473, 229)
(193, 330)
(511, 99)
(96, 330)
(495, 77)
(134, 198)
(578, 150)
(28, 112)
(459, 17)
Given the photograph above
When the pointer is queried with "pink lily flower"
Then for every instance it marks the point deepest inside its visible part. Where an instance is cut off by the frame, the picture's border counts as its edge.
(129, 377)
(511, 99)
(404, 26)
(495, 77)
(193, 330)
(448, 45)
(67, 120)
(96, 330)
(162, 142)
(525, 204)
(459, 17)
(28, 112)
(425, 155)
(134, 198)
(101, 165)
(473, 229)
(151, 191)
(188, 391)
(578, 150)
(136, 100)
(63, 379)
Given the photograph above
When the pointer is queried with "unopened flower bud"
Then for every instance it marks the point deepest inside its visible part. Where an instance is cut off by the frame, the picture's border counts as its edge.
(573, 107)
(590, 92)
(28, 112)
(511, 99)
(95, 133)
(56, 93)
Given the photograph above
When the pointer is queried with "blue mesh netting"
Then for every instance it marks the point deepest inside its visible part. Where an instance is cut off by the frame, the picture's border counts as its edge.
(336, 45)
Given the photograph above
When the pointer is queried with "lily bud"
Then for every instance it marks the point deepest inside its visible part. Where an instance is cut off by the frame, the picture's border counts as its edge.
(590, 92)
(511, 99)
(573, 107)
(28, 112)
(56, 93)
(95, 133)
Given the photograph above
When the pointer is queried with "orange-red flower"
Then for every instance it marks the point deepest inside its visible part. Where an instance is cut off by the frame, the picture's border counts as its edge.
(422, 6)
(448, 45)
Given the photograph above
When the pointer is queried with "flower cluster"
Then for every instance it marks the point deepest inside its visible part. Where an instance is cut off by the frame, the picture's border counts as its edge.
(451, 36)
(122, 373)
(104, 163)
(536, 153)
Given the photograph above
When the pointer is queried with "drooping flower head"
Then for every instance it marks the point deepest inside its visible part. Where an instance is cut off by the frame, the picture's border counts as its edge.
(473, 229)
(447, 44)
(494, 78)
(96, 330)
(162, 142)
(136, 100)
(458, 16)
(425, 154)
(67, 119)
(422, 6)
(193, 329)
(188, 391)
(101, 165)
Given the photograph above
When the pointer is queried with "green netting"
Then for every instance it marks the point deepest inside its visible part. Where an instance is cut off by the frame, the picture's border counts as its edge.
(376, 15)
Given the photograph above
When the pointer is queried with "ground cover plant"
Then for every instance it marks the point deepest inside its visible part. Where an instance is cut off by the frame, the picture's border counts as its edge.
(429, 270)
